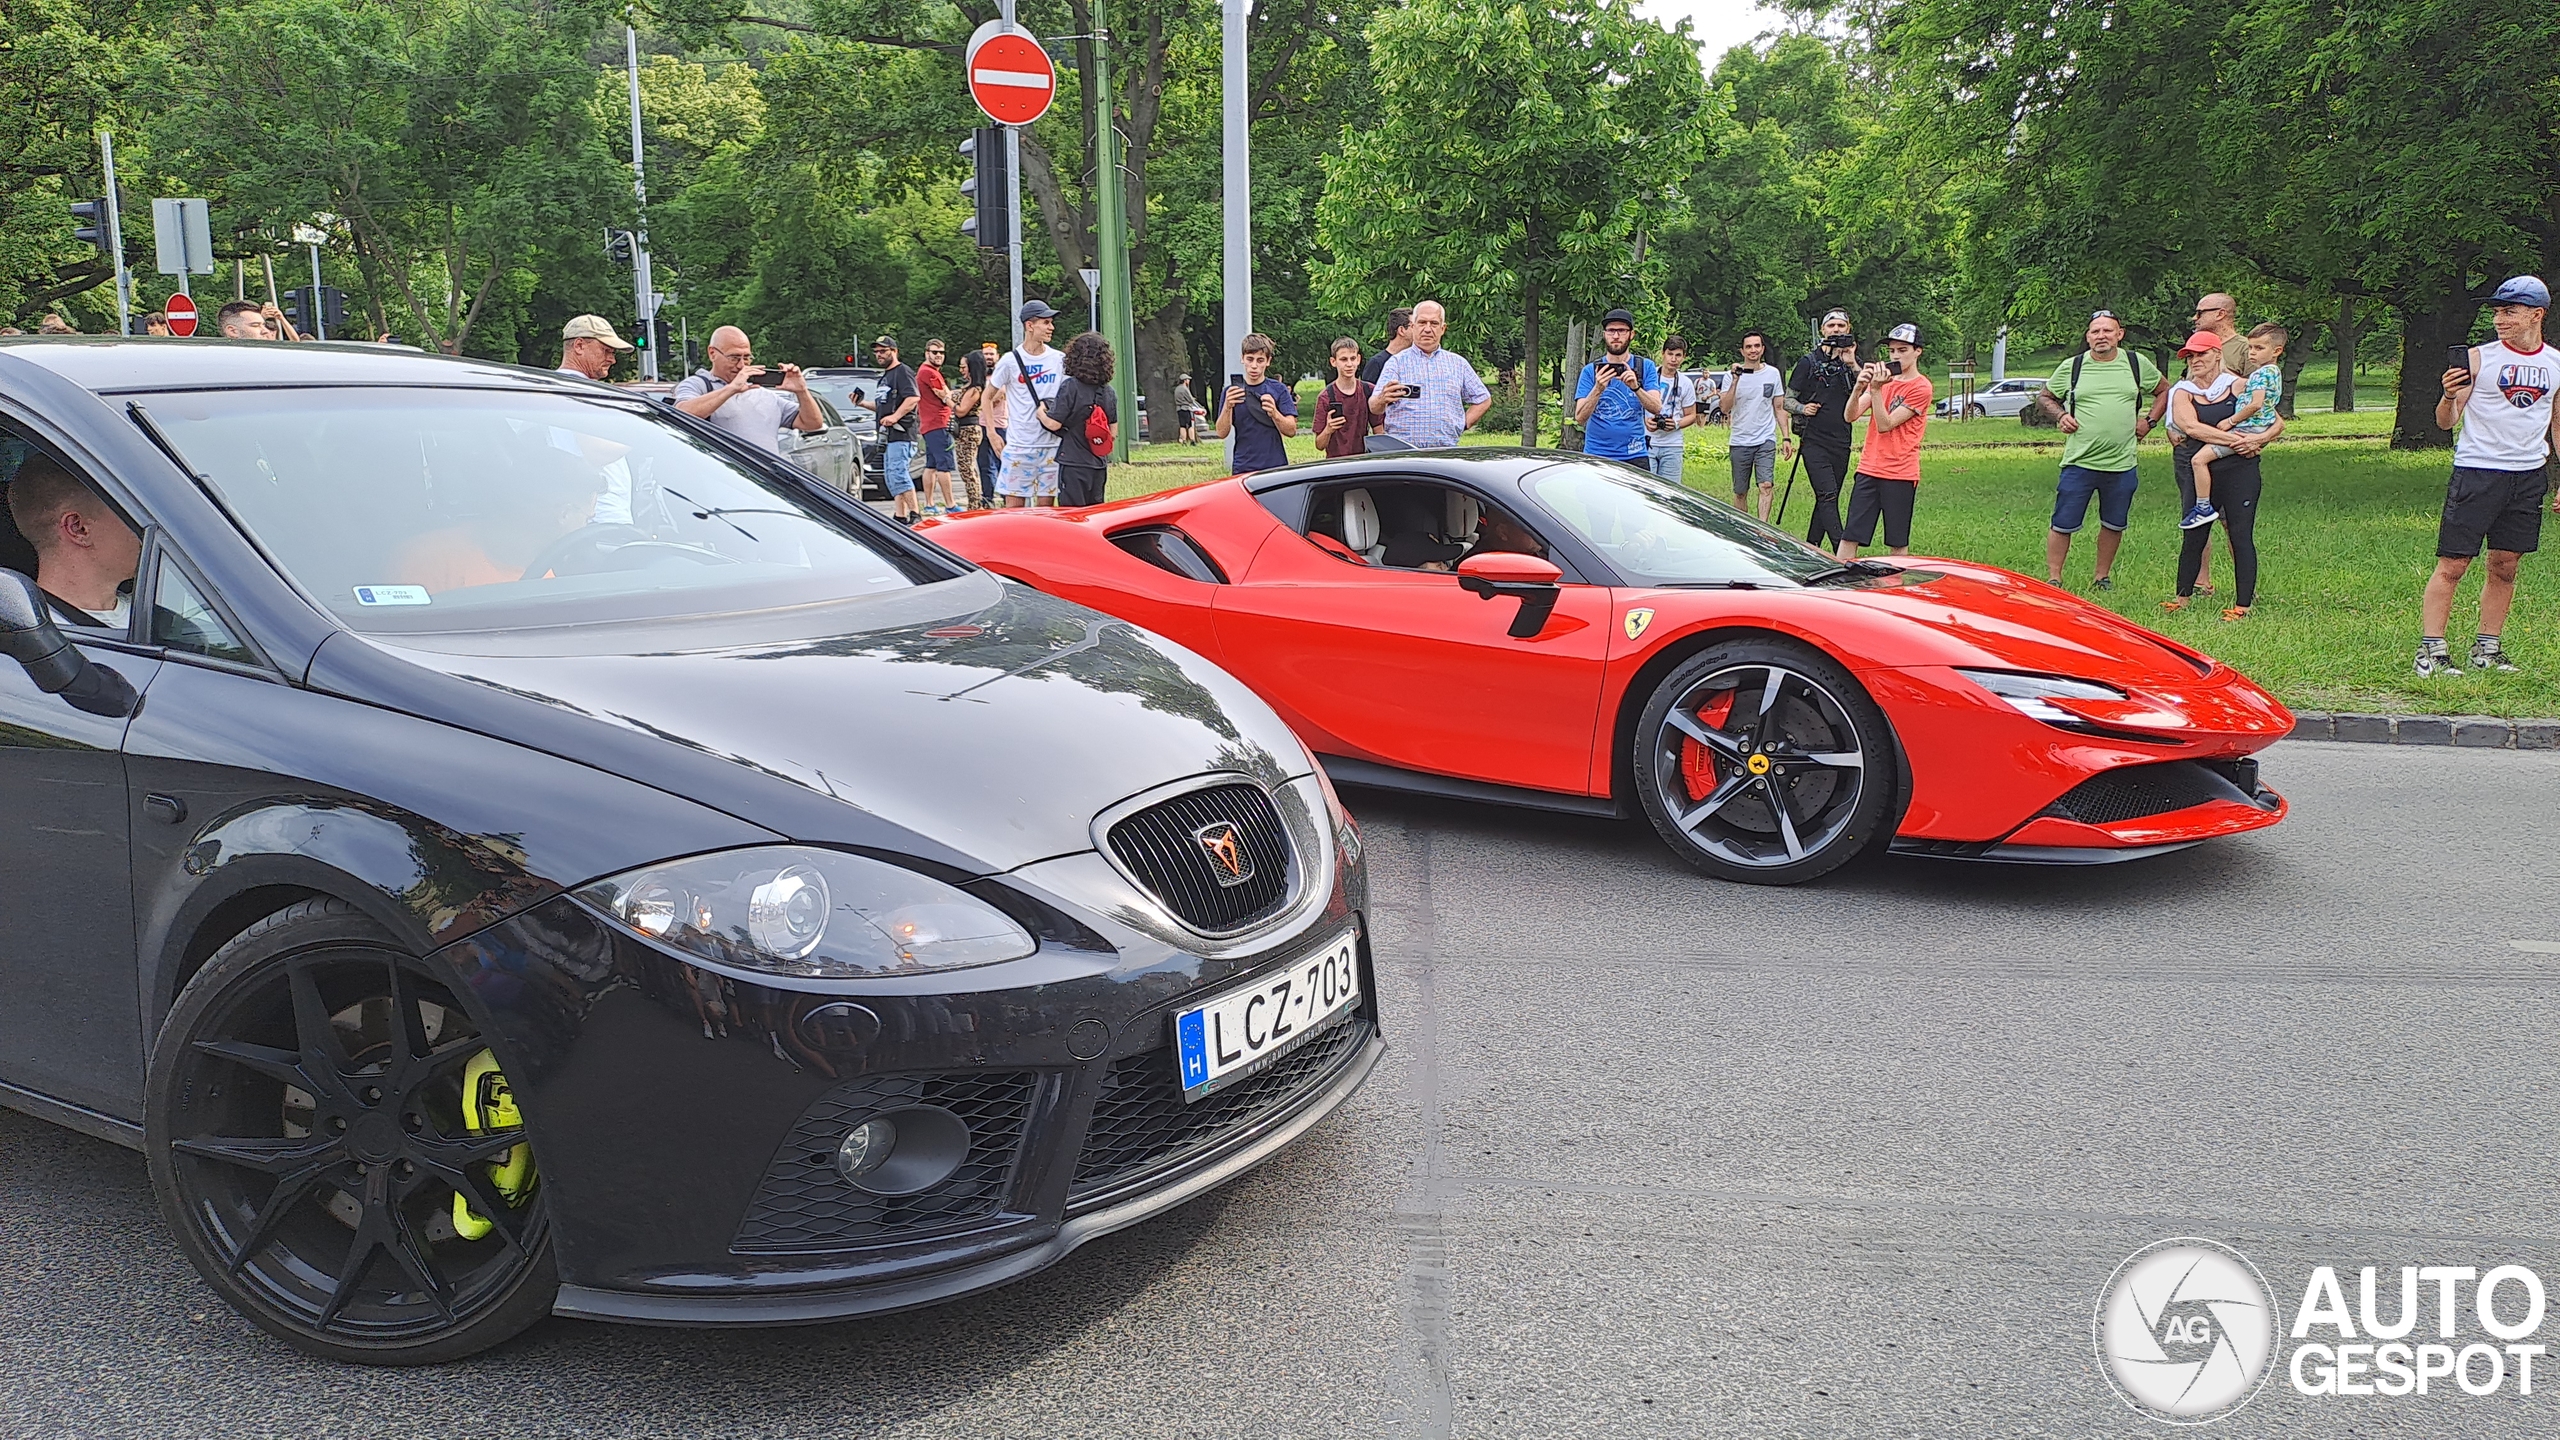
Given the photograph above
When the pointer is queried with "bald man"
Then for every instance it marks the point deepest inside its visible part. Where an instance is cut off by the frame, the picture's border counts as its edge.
(728, 396)
(86, 555)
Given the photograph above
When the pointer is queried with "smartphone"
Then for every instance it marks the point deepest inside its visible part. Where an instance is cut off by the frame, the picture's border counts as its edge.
(1236, 380)
(2457, 357)
(768, 378)
(1893, 367)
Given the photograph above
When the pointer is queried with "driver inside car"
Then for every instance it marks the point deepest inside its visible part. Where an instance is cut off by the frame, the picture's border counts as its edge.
(546, 495)
(86, 556)
(1497, 531)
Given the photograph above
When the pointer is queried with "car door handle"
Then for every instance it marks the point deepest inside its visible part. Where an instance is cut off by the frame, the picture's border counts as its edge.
(167, 809)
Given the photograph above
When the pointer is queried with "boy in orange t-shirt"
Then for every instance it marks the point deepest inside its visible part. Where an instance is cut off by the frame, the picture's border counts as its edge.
(1895, 398)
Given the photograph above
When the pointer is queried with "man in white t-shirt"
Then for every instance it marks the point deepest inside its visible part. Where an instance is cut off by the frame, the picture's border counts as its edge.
(1667, 434)
(1752, 391)
(2505, 433)
(1026, 376)
(732, 395)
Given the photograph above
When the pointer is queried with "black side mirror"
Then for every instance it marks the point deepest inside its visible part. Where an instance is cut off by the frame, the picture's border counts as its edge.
(29, 636)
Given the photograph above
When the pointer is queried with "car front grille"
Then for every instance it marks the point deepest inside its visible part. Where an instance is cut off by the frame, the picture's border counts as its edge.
(803, 1204)
(1174, 849)
(1140, 1120)
(2132, 792)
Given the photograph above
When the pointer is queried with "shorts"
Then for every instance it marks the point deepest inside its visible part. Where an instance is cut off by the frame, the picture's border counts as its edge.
(1666, 464)
(893, 466)
(1183, 418)
(1029, 472)
(1872, 496)
(1754, 462)
(937, 450)
(2500, 507)
(2113, 490)
(1082, 484)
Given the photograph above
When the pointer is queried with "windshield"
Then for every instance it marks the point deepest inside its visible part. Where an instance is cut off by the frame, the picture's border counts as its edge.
(408, 510)
(1661, 534)
(836, 387)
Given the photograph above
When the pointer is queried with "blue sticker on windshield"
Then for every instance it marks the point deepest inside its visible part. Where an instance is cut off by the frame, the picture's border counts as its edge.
(393, 595)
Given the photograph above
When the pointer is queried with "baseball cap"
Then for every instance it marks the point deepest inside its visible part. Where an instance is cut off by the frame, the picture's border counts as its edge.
(2200, 342)
(1907, 334)
(2522, 290)
(1038, 310)
(593, 327)
(1618, 317)
(885, 342)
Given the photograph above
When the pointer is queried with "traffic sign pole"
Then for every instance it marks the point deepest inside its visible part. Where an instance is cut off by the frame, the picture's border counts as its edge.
(115, 229)
(1111, 234)
(1012, 80)
(1237, 180)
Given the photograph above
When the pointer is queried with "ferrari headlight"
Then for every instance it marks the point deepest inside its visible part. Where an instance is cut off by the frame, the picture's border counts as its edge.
(2033, 695)
(817, 914)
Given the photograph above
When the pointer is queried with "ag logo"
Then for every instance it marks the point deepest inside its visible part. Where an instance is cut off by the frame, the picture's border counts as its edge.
(1229, 862)
(2185, 1331)
(1637, 619)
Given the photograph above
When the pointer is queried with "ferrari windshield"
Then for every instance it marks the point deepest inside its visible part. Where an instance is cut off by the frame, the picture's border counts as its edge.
(408, 510)
(1660, 534)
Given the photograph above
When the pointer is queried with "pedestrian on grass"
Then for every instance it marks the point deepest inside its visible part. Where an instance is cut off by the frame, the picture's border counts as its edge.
(1399, 340)
(1027, 375)
(2505, 431)
(1895, 398)
(589, 346)
(933, 417)
(1429, 396)
(2097, 398)
(967, 435)
(1762, 431)
(2257, 416)
(992, 415)
(895, 405)
(2200, 407)
(1258, 411)
(1084, 468)
(734, 396)
(1617, 395)
(1343, 419)
(1667, 434)
(1186, 412)
(1820, 390)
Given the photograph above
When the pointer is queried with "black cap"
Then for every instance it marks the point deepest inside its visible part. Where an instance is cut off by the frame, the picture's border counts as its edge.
(1038, 310)
(1618, 317)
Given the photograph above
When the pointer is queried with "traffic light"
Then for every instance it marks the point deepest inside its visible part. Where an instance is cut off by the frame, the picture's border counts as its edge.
(617, 246)
(990, 187)
(92, 215)
(333, 309)
(296, 305)
(665, 337)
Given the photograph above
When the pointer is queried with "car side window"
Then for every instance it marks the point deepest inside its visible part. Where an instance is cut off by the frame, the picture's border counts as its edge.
(182, 619)
(61, 530)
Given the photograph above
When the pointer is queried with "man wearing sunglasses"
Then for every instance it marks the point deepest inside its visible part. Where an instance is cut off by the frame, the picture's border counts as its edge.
(2097, 399)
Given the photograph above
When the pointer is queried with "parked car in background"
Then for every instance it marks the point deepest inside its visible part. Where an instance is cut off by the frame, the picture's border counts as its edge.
(843, 386)
(836, 454)
(2000, 397)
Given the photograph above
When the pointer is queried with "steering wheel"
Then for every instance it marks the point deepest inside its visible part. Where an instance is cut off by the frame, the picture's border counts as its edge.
(611, 545)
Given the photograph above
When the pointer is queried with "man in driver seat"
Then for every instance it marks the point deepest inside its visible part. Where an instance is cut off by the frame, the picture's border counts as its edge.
(86, 556)
(1499, 532)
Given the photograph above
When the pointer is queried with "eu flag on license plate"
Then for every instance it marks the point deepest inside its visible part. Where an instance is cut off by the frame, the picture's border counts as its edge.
(1191, 1042)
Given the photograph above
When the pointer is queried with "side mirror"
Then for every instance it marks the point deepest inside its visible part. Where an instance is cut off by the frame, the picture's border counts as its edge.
(1525, 578)
(29, 636)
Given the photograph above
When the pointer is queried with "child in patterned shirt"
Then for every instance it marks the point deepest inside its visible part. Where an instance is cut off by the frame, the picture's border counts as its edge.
(2256, 416)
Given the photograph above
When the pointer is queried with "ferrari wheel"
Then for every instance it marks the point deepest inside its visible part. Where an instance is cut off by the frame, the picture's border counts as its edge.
(338, 1152)
(1763, 761)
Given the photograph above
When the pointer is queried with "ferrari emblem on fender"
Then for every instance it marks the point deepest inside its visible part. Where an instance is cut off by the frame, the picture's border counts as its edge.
(1636, 621)
(1229, 863)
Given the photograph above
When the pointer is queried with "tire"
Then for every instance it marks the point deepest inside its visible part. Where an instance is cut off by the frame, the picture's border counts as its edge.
(1741, 798)
(307, 1148)
(1975, 412)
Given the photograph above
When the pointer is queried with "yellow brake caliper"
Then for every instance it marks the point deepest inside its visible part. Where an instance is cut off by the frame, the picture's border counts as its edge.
(488, 1103)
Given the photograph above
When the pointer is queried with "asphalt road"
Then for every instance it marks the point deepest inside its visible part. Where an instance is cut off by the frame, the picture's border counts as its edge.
(1650, 1156)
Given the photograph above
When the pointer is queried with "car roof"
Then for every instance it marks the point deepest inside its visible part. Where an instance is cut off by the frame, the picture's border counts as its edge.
(1479, 464)
(108, 364)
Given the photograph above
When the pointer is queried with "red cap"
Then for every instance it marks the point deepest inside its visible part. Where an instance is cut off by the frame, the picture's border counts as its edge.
(2200, 342)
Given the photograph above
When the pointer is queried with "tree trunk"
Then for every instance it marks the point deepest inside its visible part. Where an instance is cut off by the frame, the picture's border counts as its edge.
(1569, 435)
(2297, 353)
(2342, 395)
(1529, 369)
(2429, 322)
(1160, 362)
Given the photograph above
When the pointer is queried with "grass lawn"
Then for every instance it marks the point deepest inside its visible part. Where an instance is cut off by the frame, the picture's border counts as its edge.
(2346, 537)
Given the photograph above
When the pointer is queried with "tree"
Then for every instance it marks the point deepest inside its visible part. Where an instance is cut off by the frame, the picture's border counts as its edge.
(1519, 155)
(67, 69)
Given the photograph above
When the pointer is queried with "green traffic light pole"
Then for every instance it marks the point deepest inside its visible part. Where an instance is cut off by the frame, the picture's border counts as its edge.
(1111, 237)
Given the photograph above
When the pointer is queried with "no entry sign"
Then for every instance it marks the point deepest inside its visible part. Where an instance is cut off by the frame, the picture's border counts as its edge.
(1009, 74)
(182, 315)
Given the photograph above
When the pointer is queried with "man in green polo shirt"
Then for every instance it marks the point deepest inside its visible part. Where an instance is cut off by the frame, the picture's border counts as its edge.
(2098, 398)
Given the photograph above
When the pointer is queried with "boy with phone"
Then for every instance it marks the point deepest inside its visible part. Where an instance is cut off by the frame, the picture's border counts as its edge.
(1258, 411)
(2504, 434)
(1343, 421)
(1894, 396)
(2256, 417)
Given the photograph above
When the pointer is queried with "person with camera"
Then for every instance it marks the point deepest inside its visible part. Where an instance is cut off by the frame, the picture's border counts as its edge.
(1668, 431)
(1760, 434)
(751, 401)
(1618, 395)
(1429, 396)
(1818, 395)
(1894, 397)
(1258, 411)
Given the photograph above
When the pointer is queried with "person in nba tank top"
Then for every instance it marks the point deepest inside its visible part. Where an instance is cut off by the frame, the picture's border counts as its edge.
(2505, 431)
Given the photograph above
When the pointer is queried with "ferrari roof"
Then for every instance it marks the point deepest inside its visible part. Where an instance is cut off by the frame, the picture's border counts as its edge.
(1479, 463)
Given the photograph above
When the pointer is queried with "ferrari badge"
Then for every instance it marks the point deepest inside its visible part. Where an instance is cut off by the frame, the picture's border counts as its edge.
(1636, 621)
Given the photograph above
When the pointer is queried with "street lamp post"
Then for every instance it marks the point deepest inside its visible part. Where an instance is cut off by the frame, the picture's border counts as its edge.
(1238, 181)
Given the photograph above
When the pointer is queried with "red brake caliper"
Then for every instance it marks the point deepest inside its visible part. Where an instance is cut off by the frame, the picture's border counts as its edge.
(1697, 762)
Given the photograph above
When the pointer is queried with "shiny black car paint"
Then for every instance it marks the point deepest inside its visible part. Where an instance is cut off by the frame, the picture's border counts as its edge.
(456, 786)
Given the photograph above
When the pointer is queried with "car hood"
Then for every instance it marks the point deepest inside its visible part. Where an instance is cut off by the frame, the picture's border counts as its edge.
(1981, 615)
(973, 722)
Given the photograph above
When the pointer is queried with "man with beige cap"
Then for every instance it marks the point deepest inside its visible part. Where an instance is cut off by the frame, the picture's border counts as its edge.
(588, 347)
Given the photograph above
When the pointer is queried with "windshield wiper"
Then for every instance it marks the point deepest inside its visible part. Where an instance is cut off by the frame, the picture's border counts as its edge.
(1859, 568)
(1707, 584)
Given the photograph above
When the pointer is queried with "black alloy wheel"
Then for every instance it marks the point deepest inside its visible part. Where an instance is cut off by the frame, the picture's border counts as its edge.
(1764, 761)
(306, 1132)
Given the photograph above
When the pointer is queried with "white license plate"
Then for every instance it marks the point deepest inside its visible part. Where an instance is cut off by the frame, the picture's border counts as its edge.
(1228, 1037)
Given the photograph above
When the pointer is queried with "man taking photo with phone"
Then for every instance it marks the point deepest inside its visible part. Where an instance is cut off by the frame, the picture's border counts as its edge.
(1618, 395)
(2505, 431)
(748, 400)
(1894, 396)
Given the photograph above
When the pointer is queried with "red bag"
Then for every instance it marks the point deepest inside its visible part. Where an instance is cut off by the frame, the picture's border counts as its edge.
(1100, 435)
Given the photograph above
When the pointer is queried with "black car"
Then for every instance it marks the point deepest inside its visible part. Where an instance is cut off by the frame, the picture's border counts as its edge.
(479, 856)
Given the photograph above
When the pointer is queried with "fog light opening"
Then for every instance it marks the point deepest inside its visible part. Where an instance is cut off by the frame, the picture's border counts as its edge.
(903, 1151)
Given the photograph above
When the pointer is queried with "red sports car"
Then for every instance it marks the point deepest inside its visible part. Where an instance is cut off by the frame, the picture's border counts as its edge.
(1549, 630)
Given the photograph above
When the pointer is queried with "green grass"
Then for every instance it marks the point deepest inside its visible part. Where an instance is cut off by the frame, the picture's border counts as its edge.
(2346, 538)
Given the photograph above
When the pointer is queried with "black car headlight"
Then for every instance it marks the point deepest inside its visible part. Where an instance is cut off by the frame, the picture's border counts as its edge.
(800, 911)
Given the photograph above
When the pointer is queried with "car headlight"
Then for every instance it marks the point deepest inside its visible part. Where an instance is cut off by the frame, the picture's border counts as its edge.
(800, 911)
(1346, 831)
(2033, 695)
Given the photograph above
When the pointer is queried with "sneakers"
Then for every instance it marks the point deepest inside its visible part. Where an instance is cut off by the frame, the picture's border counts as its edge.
(2103, 582)
(2489, 657)
(2434, 663)
(2198, 516)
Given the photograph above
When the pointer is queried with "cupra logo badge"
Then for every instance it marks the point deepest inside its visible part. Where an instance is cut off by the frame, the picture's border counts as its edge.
(2186, 1331)
(1228, 861)
(1637, 619)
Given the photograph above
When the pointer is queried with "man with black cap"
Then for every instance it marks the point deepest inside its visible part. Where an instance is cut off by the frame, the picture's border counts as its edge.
(1895, 398)
(1027, 375)
(1618, 392)
(2505, 433)
(1818, 395)
(895, 403)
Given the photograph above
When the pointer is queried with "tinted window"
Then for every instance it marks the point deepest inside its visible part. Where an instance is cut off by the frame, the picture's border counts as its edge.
(182, 619)
(419, 510)
(1656, 533)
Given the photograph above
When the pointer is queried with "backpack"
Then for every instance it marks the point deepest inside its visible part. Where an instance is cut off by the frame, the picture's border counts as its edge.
(1100, 435)
(2132, 357)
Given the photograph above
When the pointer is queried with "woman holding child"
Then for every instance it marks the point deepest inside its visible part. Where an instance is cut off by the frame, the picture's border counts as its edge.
(2201, 408)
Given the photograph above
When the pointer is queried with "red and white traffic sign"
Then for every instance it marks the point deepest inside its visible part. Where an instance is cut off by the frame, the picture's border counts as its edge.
(1010, 76)
(182, 315)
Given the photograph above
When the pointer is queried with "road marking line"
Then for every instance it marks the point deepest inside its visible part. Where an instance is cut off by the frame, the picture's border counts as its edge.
(2536, 947)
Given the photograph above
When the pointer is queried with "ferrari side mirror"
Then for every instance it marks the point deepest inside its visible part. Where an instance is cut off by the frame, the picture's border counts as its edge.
(1526, 578)
(29, 636)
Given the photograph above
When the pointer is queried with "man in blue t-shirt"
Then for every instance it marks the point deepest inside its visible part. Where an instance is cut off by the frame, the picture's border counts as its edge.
(1618, 393)
(1260, 413)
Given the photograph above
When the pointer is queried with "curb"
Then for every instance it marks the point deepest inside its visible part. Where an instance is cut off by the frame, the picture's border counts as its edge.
(2468, 732)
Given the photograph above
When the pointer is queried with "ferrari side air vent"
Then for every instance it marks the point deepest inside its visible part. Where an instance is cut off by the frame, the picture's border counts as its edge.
(1171, 551)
